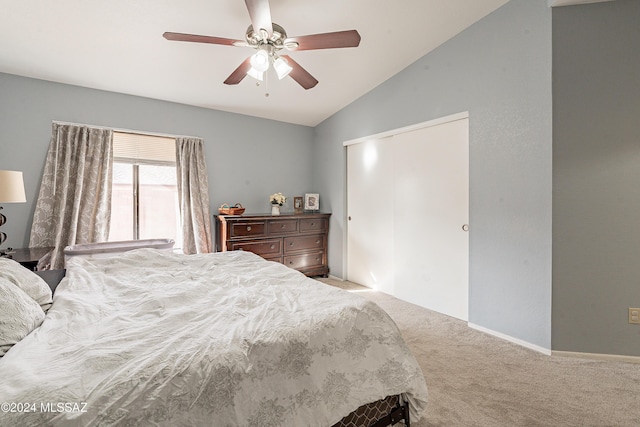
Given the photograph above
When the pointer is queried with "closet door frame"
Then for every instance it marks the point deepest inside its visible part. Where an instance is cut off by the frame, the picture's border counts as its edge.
(389, 286)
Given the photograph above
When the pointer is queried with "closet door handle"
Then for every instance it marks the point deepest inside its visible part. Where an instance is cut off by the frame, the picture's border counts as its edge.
(465, 227)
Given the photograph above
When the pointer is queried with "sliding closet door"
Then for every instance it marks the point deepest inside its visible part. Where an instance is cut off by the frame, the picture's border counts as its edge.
(431, 247)
(370, 225)
(408, 210)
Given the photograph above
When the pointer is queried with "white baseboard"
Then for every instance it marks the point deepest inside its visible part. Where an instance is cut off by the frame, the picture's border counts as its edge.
(339, 279)
(505, 337)
(545, 351)
(598, 356)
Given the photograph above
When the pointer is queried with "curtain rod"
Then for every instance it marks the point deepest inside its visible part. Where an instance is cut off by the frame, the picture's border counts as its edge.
(138, 132)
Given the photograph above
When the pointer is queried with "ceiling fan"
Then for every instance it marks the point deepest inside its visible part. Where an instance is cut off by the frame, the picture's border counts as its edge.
(268, 39)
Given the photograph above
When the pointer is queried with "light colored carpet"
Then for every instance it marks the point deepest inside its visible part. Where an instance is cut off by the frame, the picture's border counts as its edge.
(475, 379)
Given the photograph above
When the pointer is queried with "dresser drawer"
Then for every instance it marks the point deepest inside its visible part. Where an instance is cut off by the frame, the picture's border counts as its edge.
(247, 229)
(264, 248)
(299, 243)
(282, 227)
(313, 224)
(302, 261)
(274, 258)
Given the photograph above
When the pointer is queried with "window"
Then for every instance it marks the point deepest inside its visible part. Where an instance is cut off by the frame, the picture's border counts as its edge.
(144, 203)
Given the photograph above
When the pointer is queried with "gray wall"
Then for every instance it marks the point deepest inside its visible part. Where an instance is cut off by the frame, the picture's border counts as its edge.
(500, 71)
(245, 155)
(596, 177)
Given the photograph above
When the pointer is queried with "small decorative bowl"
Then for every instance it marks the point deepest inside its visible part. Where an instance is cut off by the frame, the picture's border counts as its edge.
(236, 209)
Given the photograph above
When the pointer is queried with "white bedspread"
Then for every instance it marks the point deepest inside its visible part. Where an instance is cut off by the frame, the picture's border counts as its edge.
(227, 339)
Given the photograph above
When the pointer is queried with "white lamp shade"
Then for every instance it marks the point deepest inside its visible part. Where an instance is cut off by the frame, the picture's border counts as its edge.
(258, 75)
(260, 61)
(282, 68)
(11, 187)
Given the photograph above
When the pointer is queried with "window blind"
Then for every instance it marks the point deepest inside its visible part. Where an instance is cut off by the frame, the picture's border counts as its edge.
(140, 148)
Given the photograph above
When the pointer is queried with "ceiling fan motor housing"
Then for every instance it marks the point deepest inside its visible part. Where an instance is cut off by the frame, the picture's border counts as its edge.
(259, 38)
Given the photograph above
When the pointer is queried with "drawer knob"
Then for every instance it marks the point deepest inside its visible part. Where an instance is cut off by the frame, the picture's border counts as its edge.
(282, 226)
(248, 228)
(291, 244)
(318, 259)
(290, 262)
(273, 246)
(313, 223)
(318, 242)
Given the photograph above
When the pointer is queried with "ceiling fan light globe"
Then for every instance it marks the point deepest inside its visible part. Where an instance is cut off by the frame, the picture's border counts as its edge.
(282, 68)
(258, 75)
(260, 61)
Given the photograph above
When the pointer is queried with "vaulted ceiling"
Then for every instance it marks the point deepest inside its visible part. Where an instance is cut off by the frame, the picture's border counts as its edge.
(117, 46)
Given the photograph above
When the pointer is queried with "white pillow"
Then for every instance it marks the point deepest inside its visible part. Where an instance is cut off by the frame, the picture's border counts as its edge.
(19, 315)
(32, 284)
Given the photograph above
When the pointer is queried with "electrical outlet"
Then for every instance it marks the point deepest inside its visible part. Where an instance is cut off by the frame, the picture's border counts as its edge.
(634, 315)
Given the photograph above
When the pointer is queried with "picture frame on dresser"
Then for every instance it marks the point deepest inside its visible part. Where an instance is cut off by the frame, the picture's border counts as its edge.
(312, 202)
(298, 206)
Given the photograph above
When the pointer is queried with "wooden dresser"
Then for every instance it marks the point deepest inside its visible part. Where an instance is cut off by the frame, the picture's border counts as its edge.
(299, 241)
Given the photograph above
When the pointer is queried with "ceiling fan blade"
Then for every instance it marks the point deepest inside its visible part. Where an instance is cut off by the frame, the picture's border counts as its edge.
(349, 38)
(299, 74)
(260, 14)
(180, 37)
(239, 73)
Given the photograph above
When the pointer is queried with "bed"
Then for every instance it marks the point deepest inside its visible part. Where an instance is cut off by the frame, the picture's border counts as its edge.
(228, 339)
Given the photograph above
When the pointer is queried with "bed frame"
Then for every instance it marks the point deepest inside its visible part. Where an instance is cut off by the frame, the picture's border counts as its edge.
(385, 412)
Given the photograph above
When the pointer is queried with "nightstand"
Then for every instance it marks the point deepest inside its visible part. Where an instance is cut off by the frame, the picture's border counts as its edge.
(32, 258)
(52, 277)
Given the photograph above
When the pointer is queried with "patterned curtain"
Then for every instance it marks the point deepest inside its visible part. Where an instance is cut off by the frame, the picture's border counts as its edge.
(193, 195)
(74, 203)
